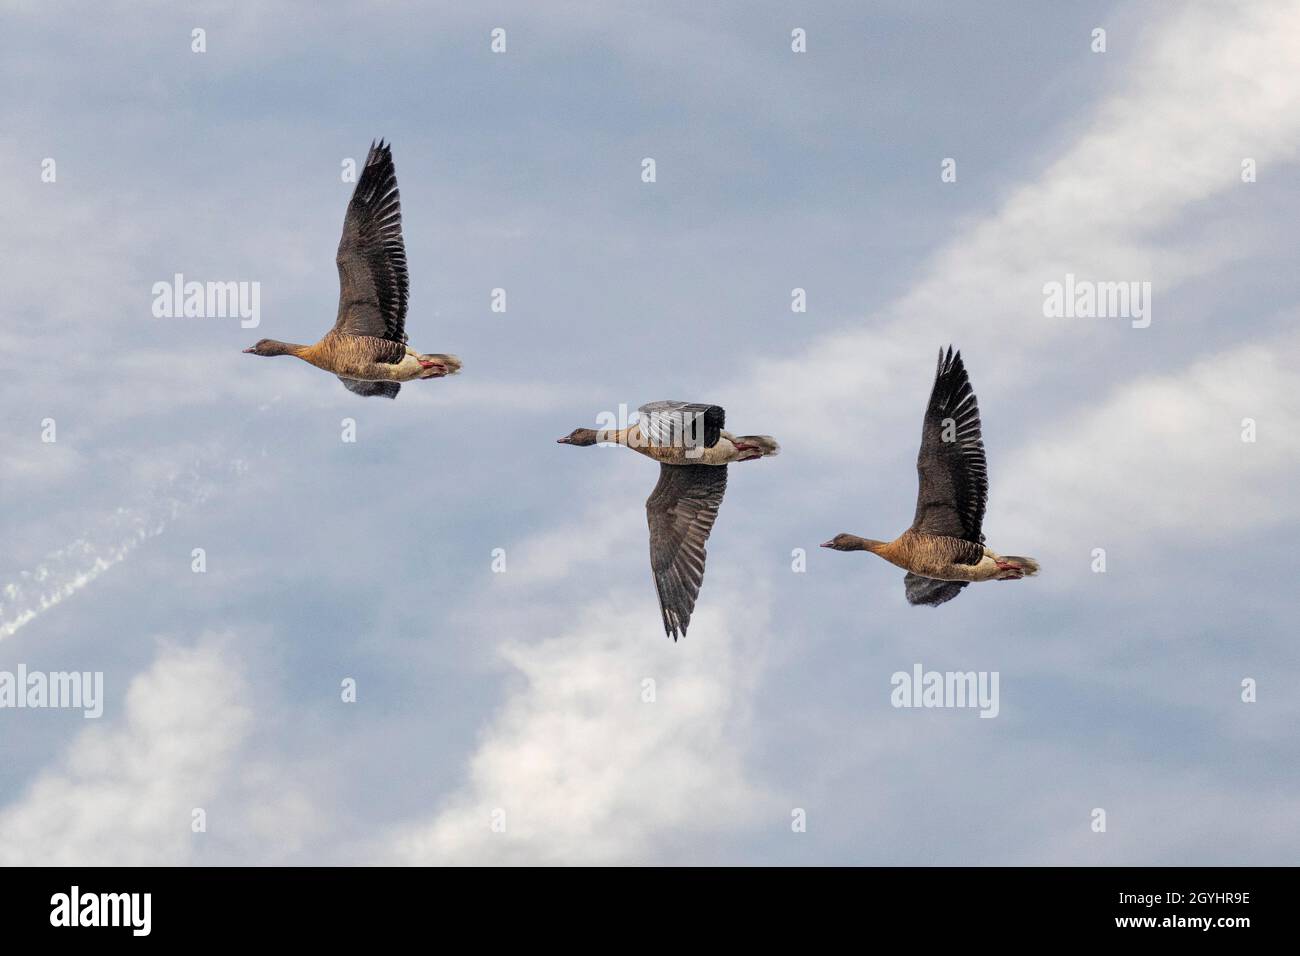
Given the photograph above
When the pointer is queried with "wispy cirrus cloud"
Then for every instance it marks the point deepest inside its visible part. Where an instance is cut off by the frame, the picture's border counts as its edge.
(1142, 162)
(1163, 447)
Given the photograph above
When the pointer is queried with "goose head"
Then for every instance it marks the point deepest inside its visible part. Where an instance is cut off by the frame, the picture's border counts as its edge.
(269, 347)
(579, 436)
(849, 542)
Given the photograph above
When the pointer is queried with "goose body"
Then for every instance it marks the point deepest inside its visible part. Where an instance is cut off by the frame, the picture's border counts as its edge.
(944, 549)
(358, 358)
(727, 449)
(937, 557)
(367, 347)
(693, 450)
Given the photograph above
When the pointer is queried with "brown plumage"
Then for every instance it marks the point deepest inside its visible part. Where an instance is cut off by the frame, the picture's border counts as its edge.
(367, 347)
(693, 450)
(944, 550)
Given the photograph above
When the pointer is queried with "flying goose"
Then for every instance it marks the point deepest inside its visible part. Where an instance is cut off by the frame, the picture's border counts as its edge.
(367, 347)
(693, 451)
(944, 549)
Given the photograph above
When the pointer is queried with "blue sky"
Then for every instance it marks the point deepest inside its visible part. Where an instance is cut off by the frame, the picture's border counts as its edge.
(522, 691)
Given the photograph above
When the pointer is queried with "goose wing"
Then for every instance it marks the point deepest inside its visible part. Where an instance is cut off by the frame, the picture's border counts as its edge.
(373, 281)
(681, 511)
(673, 424)
(930, 590)
(368, 389)
(953, 479)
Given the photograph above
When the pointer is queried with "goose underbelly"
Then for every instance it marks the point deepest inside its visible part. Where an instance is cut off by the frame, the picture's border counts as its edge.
(720, 454)
(986, 568)
(369, 371)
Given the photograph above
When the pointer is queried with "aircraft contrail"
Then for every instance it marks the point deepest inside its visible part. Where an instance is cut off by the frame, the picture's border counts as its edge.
(69, 569)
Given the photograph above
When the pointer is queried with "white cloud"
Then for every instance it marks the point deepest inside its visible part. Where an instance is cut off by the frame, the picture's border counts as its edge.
(124, 793)
(569, 548)
(587, 772)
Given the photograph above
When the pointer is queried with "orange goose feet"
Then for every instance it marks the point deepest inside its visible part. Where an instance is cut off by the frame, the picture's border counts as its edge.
(1010, 572)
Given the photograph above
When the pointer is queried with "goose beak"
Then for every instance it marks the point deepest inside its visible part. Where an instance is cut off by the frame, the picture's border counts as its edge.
(249, 351)
(827, 544)
(563, 441)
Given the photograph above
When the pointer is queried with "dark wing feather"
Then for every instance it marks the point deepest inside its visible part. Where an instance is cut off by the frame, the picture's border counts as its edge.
(373, 282)
(954, 484)
(681, 511)
(666, 424)
(371, 389)
(930, 590)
